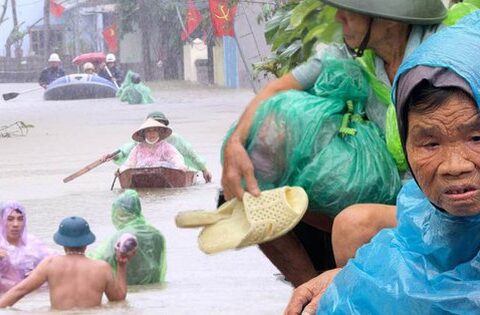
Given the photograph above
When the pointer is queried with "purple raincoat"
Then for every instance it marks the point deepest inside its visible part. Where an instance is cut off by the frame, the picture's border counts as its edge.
(22, 259)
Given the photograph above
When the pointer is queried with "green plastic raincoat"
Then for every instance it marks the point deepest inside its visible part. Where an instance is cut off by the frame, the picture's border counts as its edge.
(149, 264)
(133, 93)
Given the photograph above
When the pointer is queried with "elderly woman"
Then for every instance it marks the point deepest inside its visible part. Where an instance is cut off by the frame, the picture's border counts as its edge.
(20, 252)
(429, 263)
(149, 264)
(152, 150)
(392, 29)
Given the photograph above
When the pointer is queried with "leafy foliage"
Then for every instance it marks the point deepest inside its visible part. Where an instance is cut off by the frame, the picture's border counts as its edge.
(294, 31)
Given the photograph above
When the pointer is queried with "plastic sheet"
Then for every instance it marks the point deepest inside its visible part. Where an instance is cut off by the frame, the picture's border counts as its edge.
(149, 264)
(320, 140)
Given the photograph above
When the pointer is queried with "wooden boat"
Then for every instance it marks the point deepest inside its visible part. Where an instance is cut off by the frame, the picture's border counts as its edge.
(156, 177)
(79, 86)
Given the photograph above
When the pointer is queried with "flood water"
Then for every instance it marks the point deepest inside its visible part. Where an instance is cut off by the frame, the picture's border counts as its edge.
(68, 135)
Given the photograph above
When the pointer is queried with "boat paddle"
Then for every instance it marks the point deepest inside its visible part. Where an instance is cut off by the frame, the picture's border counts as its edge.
(9, 96)
(111, 77)
(91, 166)
(117, 173)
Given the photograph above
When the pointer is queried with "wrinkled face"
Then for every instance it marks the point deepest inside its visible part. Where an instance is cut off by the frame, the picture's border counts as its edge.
(152, 135)
(15, 224)
(354, 26)
(443, 148)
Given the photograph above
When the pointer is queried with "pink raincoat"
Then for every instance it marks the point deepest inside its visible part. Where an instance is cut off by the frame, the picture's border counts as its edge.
(22, 259)
(155, 155)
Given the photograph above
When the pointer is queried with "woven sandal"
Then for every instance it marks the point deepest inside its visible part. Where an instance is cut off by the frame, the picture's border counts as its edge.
(255, 220)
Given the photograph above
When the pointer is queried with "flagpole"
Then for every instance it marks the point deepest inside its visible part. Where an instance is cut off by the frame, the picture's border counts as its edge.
(180, 18)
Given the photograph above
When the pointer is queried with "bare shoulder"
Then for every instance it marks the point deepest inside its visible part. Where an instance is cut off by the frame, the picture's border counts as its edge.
(48, 261)
(101, 266)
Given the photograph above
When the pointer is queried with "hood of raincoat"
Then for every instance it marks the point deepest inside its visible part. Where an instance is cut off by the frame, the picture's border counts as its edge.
(127, 210)
(6, 209)
(448, 58)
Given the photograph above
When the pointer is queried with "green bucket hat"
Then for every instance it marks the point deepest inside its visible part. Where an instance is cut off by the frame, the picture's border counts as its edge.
(159, 116)
(74, 232)
(407, 11)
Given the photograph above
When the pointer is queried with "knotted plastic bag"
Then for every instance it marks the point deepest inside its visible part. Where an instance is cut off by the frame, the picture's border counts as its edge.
(320, 140)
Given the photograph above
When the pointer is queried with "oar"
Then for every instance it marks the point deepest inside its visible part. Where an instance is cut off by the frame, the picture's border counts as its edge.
(90, 166)
(9, 96)
(114, 179)
(111, 77)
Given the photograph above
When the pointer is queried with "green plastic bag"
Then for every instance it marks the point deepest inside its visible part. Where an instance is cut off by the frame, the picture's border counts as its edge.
(320, 140)
(134, 93)
(382, 91)
(149, 264)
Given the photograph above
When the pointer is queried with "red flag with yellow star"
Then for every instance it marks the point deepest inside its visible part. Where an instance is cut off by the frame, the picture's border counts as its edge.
(110, 37)
(222, 17)
(193, 20)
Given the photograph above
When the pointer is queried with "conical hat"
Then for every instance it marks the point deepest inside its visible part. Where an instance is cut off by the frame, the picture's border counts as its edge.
(164, 131)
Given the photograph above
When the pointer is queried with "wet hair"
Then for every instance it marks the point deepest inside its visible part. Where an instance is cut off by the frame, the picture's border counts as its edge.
(426, 98)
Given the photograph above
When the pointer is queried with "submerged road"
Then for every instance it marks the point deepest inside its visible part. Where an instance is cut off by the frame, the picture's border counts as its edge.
(68, 135)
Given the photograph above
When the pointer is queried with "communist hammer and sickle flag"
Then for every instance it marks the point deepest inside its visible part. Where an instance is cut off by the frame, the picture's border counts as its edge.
(223, 17)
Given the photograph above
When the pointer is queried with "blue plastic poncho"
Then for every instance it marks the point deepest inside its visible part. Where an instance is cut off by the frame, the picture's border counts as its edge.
(149, 264)
(430, 263)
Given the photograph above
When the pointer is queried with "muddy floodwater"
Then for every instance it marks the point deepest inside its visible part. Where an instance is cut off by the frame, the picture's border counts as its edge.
(68, 135)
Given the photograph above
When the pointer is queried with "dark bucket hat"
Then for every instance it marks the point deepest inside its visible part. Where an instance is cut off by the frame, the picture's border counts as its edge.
(74, 232)
(159, 116)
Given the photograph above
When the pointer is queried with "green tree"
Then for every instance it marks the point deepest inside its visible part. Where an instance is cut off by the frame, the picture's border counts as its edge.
(293, 29)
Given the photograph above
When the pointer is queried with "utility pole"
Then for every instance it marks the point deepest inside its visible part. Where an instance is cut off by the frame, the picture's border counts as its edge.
(46, 23)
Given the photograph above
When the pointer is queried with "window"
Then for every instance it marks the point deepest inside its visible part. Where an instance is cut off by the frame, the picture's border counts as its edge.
(37, 40)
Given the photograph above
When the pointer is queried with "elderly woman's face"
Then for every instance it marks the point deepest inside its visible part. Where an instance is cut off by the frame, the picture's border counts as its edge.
(152, 134)
(443, 148)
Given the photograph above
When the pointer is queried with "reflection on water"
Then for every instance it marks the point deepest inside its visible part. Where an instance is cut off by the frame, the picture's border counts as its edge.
(71, 134)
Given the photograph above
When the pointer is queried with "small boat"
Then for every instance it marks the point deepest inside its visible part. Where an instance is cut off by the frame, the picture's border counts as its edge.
(156, 177)
(79, 86)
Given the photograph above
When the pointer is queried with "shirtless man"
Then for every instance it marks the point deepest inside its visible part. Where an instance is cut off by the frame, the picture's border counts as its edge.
(74, 280)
